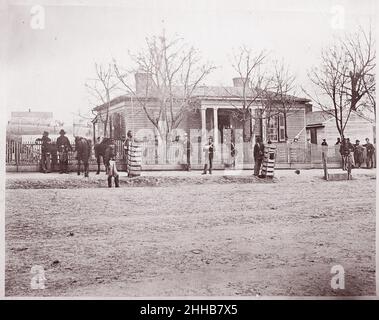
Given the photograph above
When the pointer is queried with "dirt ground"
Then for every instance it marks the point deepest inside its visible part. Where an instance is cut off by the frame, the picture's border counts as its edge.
(191, 236)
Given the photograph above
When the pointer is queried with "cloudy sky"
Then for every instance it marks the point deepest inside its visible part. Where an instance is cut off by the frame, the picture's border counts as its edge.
(47, 68)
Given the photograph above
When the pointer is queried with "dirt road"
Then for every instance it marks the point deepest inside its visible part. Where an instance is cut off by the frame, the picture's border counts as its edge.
(209, 239)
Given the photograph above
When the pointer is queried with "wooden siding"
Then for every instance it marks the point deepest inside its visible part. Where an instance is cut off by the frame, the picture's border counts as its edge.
(357, 128)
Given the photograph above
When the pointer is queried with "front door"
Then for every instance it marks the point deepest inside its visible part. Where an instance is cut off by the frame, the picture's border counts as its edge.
(223, 123)
(313, 135)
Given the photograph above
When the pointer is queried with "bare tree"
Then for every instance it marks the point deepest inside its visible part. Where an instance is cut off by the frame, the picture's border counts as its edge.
(254, 85)
(345, 80)
(173, 72)
(361, 53)
(283, 93)
(370, 102)
(101, 89)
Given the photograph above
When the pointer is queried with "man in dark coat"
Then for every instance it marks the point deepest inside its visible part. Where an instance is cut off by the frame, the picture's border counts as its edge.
(209, 151)
(370, 149)
(187, 152)
(45, 152)
(98, 153)
(128, 142)
(64, 146)
(258, 155)
(358, 154)
(346, 149)
(110, 164)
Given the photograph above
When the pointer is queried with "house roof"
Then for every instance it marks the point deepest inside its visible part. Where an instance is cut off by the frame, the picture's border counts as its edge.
(202, 92)
(317, 118)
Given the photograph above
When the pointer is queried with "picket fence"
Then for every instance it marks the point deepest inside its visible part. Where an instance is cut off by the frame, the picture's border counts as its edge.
(175, 153)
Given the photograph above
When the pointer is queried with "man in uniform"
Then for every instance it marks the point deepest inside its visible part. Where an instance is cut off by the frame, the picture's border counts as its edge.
(258, 155)
(345, 149)
(64, 146)
(209, 151)
(187, 152)
(358, 154)
(45, 143)
(370, 149)
(110, 164)
(98, 153)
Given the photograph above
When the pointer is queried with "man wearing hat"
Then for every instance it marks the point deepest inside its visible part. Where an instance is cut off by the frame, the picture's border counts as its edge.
(64, 146)
(259, 150)
(45, 142)
(209, 150)
(187, 152)
(370, 150)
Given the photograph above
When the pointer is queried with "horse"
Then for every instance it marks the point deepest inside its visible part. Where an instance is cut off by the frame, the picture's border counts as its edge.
(83, 151)
(100, 152)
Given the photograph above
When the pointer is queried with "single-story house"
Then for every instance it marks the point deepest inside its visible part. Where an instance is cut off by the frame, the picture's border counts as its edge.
(321, 125)
(212, 107)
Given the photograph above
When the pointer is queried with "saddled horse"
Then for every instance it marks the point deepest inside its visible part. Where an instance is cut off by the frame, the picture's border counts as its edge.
(101, 151)
(83, 153)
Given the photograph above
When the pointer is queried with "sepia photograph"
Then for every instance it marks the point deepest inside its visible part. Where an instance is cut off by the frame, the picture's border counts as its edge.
(189, 149)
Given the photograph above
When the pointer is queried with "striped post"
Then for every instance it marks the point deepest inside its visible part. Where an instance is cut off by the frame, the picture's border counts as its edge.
(134, 159)
(268, 164)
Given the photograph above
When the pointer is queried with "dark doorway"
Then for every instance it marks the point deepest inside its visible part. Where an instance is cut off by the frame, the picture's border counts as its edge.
(313, 135)
(223, 123)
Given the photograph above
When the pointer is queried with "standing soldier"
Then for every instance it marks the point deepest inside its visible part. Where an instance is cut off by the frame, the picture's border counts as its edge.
(187, 152)
(346, 149)
(209, 151)
(64, 146)
(45, 152)
(370, 149)
(258, 155)
(358, 154)
(127, 143)
(97, 149)
(110, 164)
(127, 148)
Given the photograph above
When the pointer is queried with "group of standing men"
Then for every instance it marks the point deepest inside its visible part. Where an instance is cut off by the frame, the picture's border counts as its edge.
(258, 153)
(356, 151)
(49, 149)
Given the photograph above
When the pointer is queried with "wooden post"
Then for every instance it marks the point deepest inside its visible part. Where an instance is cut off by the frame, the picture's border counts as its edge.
(324, 164)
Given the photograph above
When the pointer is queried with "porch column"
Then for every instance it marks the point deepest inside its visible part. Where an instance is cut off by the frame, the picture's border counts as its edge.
(215, 133)
(264, 129)
(203, 132)
(203, 125)
(215, 126)
(94, 132)
(253, 120)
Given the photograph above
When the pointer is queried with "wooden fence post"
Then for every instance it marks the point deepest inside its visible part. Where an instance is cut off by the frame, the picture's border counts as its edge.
(325, 166)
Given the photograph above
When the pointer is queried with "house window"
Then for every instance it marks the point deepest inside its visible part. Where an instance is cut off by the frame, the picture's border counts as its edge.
(272, 129)
(282, 130)
(275, 129)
